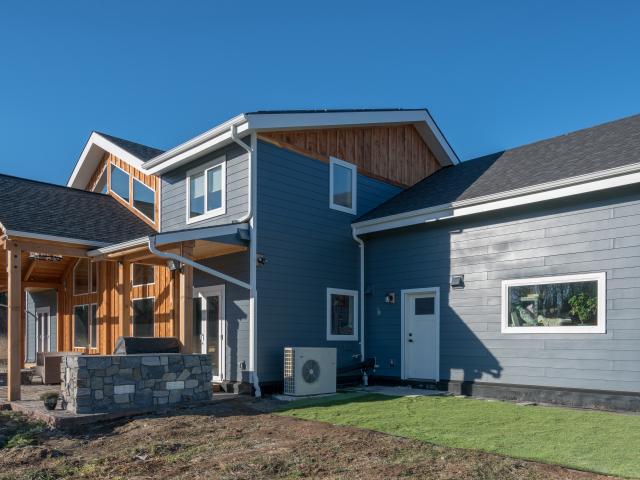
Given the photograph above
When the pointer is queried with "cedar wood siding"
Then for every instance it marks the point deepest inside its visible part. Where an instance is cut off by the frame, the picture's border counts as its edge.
(596, 233)
(308, 247)
(236, 309)
(174, 190)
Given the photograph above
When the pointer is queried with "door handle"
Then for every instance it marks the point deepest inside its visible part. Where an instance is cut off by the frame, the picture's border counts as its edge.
(410, 340)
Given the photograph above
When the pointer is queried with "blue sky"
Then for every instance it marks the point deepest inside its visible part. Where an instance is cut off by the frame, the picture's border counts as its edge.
(495, 74)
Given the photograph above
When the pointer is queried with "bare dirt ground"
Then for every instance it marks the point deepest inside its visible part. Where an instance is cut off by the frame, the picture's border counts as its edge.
(241, 439)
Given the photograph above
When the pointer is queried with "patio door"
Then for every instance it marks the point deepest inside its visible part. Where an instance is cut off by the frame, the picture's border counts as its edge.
(43, 329)
(209, 327)
(421, 334)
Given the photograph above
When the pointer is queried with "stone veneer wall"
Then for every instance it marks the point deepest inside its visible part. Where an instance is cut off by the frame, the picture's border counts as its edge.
(106, 383)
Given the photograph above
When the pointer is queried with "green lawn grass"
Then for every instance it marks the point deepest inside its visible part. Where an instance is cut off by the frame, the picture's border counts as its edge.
(586, 440)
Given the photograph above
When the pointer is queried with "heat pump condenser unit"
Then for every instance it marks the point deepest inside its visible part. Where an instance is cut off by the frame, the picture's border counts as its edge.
(309, 371)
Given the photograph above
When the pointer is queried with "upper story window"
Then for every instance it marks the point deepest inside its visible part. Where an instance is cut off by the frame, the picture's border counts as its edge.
(342, 186)
(85, 277)
(120, 182)
(563, 304)
(101, 184)
(206, 191)
(144, 199)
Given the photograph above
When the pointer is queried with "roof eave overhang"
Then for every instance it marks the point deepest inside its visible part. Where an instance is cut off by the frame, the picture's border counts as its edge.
(14, 234)
(92, 153)
(598, 181)
(220, 135)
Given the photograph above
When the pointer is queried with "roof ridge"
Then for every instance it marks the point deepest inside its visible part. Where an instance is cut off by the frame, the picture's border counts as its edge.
(42, 182)
(109, 136)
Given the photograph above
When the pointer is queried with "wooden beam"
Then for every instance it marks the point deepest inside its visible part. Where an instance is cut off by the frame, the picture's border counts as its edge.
(30, 268)
(14, 260)
(53, 285)
(186, 302)
(53, 249)
(124, 282)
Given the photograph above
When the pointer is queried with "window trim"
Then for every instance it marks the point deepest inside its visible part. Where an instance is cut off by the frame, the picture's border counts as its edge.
(341, 291)
(601, 327)
(133, 200)
(151, 297)
(203, 169)
(91, 265)
(133, 265)
(128, 202)
(88, 345)
(354, 186)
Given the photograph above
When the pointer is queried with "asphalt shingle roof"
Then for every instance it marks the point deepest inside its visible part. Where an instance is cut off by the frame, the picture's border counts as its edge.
(44, 208)
(143, 152)
(602, 147)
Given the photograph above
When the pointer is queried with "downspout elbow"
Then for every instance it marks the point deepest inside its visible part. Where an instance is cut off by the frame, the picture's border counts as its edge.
(236, 139)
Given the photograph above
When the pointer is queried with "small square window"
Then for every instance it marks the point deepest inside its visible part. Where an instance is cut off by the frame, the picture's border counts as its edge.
(142, 274)
(342, 314)
(343, 186)
(206, 194)
(425, 306)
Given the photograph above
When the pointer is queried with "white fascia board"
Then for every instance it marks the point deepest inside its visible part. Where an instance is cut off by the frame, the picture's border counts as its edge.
(199, 233)
(603, 180)
(196, 147)
(423, 121)
(96, 146)
(137, 242)
(53, 238)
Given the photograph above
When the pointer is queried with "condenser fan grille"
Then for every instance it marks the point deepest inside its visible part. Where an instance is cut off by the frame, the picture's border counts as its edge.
(310, 371)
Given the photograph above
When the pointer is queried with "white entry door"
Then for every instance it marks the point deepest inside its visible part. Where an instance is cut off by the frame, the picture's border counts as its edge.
(421, 334)
(209, 327)
(43, 329)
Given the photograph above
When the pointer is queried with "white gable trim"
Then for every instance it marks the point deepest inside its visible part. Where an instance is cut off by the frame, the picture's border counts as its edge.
(91, 155)
(598, 181)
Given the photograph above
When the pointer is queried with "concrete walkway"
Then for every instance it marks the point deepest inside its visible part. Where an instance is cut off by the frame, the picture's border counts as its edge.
(399, 391)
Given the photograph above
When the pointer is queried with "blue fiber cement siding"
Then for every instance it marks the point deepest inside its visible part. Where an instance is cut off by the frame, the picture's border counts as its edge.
(600, 233)
(174, 190)
(236, 309)
(308, 247)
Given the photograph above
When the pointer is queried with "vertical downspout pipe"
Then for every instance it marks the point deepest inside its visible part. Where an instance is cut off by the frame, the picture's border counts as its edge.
(249, 216)
(360, 243)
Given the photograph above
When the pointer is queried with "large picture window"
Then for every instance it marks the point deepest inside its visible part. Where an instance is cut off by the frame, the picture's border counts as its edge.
(144, 199)
(120, 182)
(342, 314)
(565, 304)
(206, 192)
(342, 186)
(143, 317)
(85, 326)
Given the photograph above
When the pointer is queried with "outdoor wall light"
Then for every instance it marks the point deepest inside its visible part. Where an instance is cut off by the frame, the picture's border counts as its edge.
(261, 260)
(390, 297)
(457, 281)
(173, 265)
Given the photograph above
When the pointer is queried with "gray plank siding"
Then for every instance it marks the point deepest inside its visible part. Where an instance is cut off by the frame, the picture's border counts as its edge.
(236, 309)
(35, 300)
(586, 234)
(308, 248)
(174, 190)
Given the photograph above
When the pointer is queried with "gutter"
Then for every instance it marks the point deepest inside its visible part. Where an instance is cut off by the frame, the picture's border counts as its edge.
(361, 295)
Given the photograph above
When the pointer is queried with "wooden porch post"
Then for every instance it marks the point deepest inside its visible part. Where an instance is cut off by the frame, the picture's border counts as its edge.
(14, 297)
(186, 301)
(124, 279)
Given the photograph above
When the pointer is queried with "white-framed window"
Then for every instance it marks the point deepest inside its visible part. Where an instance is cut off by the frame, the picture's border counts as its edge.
(143, 318)
(560, 304)
(342, 314)
(207, 191)
(343, 182)
(85, 326)
(142, 274)
(120, 182)
(144, 199)
(85, 277)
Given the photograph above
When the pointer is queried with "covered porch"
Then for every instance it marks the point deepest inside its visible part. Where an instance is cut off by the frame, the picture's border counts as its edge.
(99, 293)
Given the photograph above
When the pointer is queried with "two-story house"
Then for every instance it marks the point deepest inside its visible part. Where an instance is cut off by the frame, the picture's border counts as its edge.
(511, 275)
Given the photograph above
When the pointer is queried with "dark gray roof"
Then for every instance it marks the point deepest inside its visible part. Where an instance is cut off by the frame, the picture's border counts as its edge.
(138, 150)
(44, 208)
(338, 110)
(602, 147)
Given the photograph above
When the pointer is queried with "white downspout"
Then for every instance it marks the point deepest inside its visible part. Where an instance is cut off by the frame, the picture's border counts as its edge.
(361, 295)
(251, 218)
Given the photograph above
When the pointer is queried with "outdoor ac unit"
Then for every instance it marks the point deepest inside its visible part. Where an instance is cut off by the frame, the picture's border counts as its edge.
(309, 371)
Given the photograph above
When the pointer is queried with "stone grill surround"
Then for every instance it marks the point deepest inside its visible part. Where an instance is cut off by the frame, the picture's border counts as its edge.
(106, 383)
